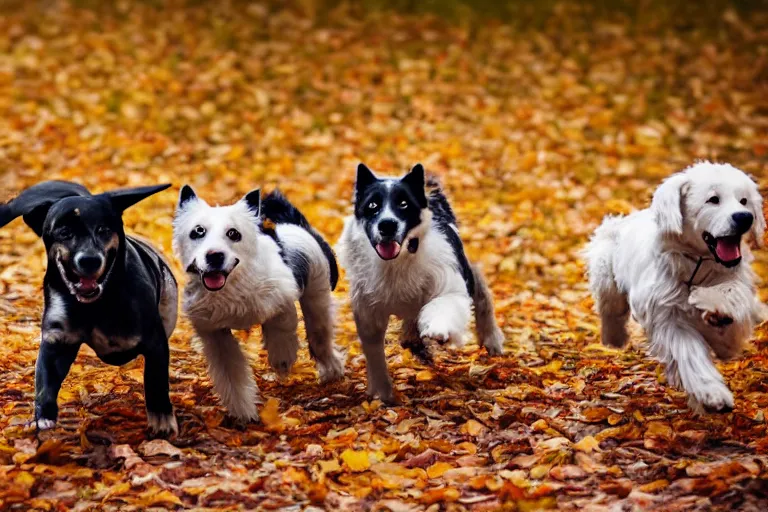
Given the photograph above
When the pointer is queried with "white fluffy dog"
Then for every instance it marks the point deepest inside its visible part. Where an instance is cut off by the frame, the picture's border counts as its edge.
(250, 262)
(682, 270)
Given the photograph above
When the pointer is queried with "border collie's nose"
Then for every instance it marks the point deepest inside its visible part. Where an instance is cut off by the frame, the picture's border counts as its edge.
(743, 221)
(215, 260)
(388, 227)
(88, 264)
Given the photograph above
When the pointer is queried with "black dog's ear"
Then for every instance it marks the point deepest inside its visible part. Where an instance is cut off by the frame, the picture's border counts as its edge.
(414, 180)
(253, 200)
(33, 204)
(126, 197)
(186, 194)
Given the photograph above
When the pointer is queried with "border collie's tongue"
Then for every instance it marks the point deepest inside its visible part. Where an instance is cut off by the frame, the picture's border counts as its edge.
(728, 249)
(214, 280)
(87, 285)
(388, 250)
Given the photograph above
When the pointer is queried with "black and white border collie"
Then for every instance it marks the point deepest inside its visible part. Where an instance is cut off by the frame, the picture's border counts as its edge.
(112, 292)
(403, 256)
(249, 262)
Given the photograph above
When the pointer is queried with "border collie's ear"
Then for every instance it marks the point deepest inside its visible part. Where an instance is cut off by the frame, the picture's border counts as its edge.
(415, 181)
(124, 198)
(33, 204)
(186, 194)
(667, 204)
(365, 177)
(253, 201)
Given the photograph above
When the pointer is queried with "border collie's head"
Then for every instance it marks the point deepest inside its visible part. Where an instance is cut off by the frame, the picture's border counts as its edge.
(708, 208)
(389, 208)
(212, 241)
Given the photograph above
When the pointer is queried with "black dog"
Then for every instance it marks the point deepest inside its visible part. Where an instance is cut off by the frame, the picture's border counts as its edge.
(113, 292)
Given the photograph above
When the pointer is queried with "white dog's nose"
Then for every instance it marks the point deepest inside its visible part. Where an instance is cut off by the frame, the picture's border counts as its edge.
(743, 221)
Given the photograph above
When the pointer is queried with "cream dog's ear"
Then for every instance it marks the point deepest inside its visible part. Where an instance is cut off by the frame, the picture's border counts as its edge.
(667, 204)
(758, 227)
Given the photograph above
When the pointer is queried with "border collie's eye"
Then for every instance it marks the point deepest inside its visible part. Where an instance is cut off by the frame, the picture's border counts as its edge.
(714, 200)
(234, 235)
(102, 230)
(403, 204)
(64, 233)
(373, 205)
(743, 201)
(198, 232)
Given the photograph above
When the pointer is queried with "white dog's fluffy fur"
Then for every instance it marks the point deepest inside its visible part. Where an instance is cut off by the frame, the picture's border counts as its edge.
(641, 265)
(261, 289)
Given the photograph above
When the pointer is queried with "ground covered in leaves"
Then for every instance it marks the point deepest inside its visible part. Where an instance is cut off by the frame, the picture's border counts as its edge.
(537, 133)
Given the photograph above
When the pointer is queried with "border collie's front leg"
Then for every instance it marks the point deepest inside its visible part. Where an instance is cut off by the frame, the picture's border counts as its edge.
(282, 340)
(53, 363)
(371, 328)
(231, 374)
(445, 318)
(160, 416)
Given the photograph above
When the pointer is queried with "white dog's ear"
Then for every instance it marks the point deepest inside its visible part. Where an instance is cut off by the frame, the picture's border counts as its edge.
(186, 194)
(253, 201)
(667, 204)
(758, 227)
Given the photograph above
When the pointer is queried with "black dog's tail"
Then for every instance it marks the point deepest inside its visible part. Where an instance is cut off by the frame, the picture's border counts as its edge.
(34, 202)
(276, 207)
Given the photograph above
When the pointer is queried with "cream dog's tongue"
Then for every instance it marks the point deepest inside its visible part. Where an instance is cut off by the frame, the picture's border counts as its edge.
(728, 250)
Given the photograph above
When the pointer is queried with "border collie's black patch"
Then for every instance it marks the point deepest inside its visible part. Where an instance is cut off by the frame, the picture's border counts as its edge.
(275, 207)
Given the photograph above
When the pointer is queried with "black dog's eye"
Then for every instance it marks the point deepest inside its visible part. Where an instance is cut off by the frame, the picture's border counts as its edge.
(714, 200)
(64, 233)
(373, 205)
(744, 201)
(403, 204)
(234, 235)
(198, 232)
(102, 231)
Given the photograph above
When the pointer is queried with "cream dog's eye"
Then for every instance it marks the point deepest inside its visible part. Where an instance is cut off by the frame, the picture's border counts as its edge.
(744, 201)
(714, 200)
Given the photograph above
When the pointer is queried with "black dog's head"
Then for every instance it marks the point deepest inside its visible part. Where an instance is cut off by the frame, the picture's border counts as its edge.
(83, 233)
(389, 208)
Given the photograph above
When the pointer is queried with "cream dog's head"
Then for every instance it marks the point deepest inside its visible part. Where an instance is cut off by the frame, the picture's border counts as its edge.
(708, 208)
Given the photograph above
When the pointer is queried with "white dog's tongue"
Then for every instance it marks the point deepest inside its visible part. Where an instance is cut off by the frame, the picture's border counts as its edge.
(728, 249)
(214, 280)
(388, 250)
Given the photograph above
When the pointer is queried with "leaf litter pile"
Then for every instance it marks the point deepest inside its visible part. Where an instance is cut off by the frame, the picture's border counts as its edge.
(537, 134)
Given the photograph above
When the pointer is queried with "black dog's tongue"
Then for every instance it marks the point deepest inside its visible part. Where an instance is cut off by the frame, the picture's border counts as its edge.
(87, 285)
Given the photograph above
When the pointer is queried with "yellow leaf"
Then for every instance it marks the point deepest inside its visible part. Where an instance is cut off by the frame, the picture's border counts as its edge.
(472, 427)
(329, 466)
(356, 461)
(587, 444)
(437, 469)
(25, 479)
(424, 375)
(270, 416)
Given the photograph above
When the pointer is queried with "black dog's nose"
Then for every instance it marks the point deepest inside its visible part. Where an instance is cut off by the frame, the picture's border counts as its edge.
(388, 227)
(215, 259)
(88, 264)
(743, 221)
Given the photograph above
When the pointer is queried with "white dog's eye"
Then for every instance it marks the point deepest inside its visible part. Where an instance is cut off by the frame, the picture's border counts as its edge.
(372, 205)
(714, 200)
(743, 201)
(198, 232)
(403, 204)
(234, 235)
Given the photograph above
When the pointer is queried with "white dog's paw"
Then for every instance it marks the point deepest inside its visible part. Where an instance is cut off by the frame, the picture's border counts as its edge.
(162, 424)
(712, 397)
(40, 424)
(331, 369)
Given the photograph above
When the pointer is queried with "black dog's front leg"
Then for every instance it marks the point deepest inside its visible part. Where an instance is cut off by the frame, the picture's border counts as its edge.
(156, 386)
(53, 363)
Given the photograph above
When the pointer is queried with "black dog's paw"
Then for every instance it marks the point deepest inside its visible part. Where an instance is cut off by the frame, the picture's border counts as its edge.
(40, 424)
(162, 425)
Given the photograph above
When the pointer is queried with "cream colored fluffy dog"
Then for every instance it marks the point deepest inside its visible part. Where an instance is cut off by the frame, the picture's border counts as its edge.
(681, 268)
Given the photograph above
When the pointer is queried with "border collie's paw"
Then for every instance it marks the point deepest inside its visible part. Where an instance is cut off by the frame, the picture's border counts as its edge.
(383, 391)
(494, 343)
(40, 424)
(282, 362)
(713, 397)
(331, 369)
(162, 425)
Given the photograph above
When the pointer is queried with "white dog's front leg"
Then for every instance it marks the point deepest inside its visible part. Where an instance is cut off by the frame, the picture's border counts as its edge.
(445, 318)
(371, 328)
(726, 303)
(281, 340)
(686, 357)
(230, 373)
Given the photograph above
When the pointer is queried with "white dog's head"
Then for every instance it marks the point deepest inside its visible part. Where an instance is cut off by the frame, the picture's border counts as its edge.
(212, 241)
(708, 208)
